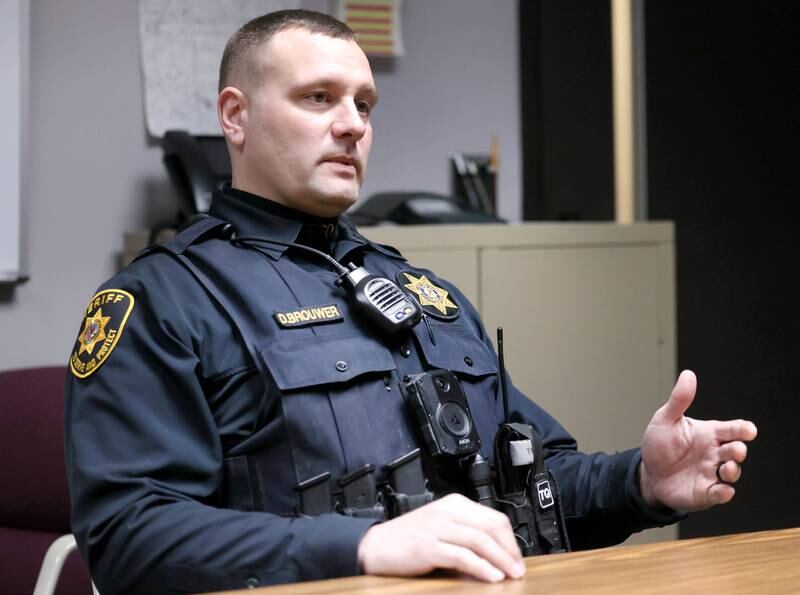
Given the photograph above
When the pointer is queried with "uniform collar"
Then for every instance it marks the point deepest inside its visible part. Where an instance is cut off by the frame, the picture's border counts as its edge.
(253, 215)
(349, 240)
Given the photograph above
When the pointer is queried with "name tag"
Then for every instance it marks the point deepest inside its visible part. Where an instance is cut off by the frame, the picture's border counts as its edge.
(309, 316)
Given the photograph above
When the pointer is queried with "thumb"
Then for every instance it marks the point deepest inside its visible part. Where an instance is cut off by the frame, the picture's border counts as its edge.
(681, 397)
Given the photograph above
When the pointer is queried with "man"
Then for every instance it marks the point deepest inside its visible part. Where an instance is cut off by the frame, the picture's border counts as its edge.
(220, 375)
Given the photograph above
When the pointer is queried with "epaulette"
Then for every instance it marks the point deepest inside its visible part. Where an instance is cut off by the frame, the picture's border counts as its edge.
(200, 227)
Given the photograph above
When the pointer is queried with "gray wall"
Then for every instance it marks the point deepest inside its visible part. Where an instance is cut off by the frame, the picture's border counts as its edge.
(456, 86)
(93, 174)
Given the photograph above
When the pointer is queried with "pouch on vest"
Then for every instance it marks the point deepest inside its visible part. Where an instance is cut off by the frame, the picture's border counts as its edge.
(407, 488)
(527, 491)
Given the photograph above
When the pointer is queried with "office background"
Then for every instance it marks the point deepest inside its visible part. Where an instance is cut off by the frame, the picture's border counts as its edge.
(722, 95)
(722, 123)
(94, 174)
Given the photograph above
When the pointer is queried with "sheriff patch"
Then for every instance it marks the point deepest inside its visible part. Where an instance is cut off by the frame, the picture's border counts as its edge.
(434, 300)
(106, 316)
(309, 316)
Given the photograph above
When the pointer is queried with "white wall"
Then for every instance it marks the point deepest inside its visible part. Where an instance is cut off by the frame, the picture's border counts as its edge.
(93, 174)
(14, 17)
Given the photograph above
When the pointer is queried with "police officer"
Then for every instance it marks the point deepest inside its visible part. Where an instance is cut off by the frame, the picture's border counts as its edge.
(220, 373)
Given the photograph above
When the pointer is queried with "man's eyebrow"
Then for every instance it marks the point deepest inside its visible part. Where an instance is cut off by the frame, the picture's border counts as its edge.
(368, 91)
(371, 94)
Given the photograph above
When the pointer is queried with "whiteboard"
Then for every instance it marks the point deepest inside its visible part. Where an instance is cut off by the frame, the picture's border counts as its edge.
(14, 19)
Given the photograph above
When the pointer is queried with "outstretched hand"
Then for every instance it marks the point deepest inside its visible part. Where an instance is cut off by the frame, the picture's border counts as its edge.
(689, 464)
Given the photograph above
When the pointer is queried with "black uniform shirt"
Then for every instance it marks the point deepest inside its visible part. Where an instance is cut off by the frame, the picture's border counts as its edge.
(166, 407)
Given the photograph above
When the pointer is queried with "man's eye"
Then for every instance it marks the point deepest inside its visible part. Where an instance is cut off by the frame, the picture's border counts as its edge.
(318, 97)
(363, 107)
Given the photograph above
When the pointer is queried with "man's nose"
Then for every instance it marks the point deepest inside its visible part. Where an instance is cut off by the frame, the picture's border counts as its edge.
(349, 122)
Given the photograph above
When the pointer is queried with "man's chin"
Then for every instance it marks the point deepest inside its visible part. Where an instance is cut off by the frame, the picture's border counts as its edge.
(333, 203)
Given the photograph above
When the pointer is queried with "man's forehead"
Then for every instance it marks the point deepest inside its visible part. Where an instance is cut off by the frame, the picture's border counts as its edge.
(297, 53)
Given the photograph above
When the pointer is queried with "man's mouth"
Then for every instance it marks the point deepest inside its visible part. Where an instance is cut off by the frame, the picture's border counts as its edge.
(344, 160)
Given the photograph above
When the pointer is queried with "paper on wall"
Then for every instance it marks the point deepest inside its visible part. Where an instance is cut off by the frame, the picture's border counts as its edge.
(181, 43)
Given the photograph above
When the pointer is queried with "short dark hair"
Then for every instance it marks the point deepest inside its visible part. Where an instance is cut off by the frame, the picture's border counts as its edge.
(254, 34)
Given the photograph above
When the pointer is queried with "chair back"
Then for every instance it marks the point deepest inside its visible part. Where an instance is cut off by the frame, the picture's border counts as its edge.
(34, 501)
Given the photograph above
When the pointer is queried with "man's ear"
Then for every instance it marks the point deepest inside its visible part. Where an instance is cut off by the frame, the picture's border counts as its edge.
(232, 113)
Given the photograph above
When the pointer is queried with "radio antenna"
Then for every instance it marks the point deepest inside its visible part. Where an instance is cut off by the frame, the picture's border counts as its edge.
(503, 387)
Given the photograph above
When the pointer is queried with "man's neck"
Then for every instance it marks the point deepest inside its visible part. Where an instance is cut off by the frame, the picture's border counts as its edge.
(276, 208)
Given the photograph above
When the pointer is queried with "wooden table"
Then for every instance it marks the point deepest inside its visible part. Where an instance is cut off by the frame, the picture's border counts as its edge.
(764, 562)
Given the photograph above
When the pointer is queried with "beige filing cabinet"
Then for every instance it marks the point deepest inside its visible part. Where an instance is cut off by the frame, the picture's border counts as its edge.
(588, 311)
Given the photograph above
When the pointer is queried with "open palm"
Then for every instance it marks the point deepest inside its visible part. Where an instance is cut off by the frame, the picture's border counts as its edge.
(690, 464)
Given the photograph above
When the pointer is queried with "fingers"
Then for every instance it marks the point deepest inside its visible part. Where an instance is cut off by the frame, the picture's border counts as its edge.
(729, 472)
(482, 546)
(733, 451)
(492, 523)
(466, 561)
(453, 532)
(736, 429)
(720, 493)
(485, 531)
(731, 455)
(681, 397)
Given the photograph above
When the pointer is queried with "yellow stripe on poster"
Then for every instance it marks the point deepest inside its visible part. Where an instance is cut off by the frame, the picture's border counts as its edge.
(369, 8)
(361, 25)
(366, 38)
(377, 45)
(356, 15)
(379, 52)
(383, 5)
(376, 24)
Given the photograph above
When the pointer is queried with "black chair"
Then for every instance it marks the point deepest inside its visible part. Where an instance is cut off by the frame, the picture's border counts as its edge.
(197, 166)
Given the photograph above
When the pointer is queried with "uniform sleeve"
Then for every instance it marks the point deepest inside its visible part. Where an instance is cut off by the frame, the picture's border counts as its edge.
(599, 492)
(144, 462)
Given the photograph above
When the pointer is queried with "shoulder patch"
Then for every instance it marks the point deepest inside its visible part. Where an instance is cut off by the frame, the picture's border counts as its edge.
(434, 300)
(106, 315)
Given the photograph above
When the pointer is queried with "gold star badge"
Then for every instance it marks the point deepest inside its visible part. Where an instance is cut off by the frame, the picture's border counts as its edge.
(93, 331)
(430, 295)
